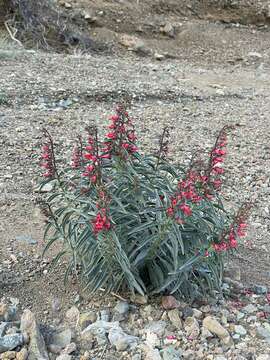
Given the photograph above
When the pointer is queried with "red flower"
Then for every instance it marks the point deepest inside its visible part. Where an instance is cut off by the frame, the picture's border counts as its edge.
(105, 156)
(125, 146)
(170, 211)
(93, 179)
(90, 157)
(90, 168)
(217, 183)
(114, 118)
(219, 152)
(132, 136)
(111, 135)
(186, 209)
(217, 160)
(218, 170)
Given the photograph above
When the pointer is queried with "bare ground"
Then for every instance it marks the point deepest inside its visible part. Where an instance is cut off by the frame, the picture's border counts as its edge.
(212, 82)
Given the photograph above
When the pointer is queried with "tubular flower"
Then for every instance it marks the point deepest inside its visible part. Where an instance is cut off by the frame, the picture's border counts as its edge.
(121, 140)
(76, 160)
(47, 157)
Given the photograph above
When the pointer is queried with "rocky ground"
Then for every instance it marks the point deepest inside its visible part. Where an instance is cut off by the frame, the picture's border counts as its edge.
(196, 75)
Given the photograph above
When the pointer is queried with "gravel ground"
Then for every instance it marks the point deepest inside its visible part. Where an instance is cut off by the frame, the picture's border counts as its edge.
(66, 93)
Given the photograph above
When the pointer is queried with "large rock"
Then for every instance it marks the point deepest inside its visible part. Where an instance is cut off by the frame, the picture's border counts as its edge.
(212, 324)
(37, 348)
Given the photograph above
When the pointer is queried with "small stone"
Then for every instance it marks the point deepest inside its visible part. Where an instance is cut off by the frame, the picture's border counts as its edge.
(9, 355)
(36, 348)
(54, 349)
(3, 327)
(170, 353)
(121, 340)
(263, 333)
(212, 324)
(105, 315)
(254, 55)
(187, 312)
(3, 311)
(156, 327)
(133, 43)
(62, 338)
(168, 30)
(197, 314)
(152, 339)
(10, 342)
(236, 337)
(70, 348)
(64, 357)
(260, 290)
(48, 187)
(175, 318)
(240, 315)
(205, 333)
(192, 327)
(170, 302)
(263, 357)
(72, 316)
(239, 329)
(122, 307)
(250, 309)
(139, 299)
(136, 357)
(159, 57)
(87, 318)
(152, 354)
(56, 305)
(68, 5)
(22, 355)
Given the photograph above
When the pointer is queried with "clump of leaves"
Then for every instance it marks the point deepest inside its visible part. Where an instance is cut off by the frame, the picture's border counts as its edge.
(136, 221)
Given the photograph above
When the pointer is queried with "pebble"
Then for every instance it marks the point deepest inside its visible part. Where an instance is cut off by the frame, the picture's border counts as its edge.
(87, 318)
(250, 309)
(156, 327)
(22, 355)
(175, 319)
(62, 338)
(239, 329)
(192, 327)
(122, 307)
(212, 324)
(170, 302)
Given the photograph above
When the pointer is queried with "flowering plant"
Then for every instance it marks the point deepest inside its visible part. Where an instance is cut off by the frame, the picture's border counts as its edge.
(136, 221)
